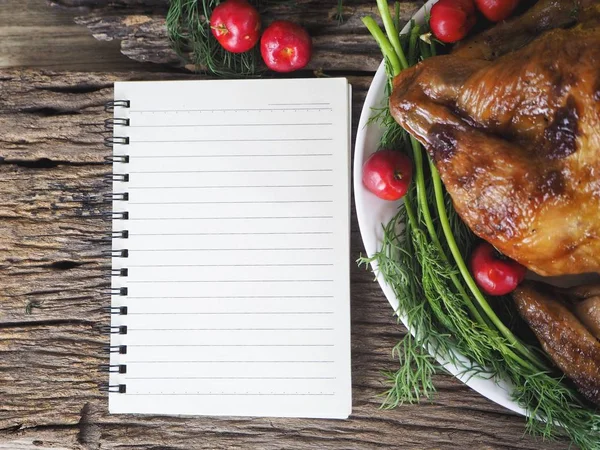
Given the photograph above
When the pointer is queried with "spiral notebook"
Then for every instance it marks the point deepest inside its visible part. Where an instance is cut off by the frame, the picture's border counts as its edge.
(230, 287)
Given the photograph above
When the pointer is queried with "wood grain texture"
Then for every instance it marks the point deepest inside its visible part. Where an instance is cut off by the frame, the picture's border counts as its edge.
(140, 27)
(51, 257)
(34, 34)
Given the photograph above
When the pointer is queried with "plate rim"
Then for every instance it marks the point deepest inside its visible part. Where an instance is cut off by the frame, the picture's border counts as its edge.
(496, 390)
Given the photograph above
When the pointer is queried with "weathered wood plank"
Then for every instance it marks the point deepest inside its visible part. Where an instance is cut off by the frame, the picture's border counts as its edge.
(57, 117)
(33, 34)
(140, 27)
(51, 253)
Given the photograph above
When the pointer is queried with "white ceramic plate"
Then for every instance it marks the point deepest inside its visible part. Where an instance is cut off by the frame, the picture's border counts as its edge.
(372, 212)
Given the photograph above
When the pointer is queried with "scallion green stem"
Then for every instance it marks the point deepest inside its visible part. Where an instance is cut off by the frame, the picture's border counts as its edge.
(464, 271)
(425, 50)
(390, 29)
(384, 44)
(412, 45)
(424, 208)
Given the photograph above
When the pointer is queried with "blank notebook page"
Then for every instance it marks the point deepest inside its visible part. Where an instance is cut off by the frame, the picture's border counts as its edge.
(237, 280)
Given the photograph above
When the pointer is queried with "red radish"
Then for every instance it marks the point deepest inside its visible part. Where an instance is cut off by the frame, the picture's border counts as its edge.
(285, 46)
(495, 273)
(451, 20)
(387, 174)
(496, 10)
(236, 25)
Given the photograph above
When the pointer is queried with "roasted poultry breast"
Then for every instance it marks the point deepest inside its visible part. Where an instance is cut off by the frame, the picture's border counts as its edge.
(511, 120)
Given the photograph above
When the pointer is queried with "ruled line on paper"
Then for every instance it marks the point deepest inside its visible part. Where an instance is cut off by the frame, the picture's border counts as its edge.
(232, 187)
(238, 296)
(293, 361)
(229, 313)
(301, 104)
(233, 265)
(231, 234)
(235, 110)
(245, 202)
(231, 345)
(231, 378)
(234, 394)
(228, 281)
(230, 140)
(230, 329)
(232, 171)
(230, 156)
(230, 218)
(316, 124)
(227, 249)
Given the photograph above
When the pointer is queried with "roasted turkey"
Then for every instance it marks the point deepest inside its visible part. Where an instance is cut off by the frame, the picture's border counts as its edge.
(567, 324)
(511, 120)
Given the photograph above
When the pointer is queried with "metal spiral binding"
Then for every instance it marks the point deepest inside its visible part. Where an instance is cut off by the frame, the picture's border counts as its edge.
(116, 388)
(122, 291)
(119, 272)
(120, 234)
(108, 329)
(116, 215)
(109, 124)
(110, 141)
(110, 106)
(117, 310)
(116, 196)
(120, 349)
(122, 177)
(123, 253)
(113, 368)
(117, 157)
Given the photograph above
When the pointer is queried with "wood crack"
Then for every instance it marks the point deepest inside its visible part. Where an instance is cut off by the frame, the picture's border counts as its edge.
(47, 163)
(75, 89)
(63, 265)
(52, 426)
(47, 323)
(49, 111)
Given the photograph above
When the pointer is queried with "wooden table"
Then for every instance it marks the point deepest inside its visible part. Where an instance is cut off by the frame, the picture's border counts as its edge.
(51, 241)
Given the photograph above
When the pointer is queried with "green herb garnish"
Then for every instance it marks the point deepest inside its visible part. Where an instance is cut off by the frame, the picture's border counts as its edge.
(422, 259)
(31, 305)
(188, 27)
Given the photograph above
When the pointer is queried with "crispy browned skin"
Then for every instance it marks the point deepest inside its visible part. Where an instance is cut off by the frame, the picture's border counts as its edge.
(515, 33)
(584, 302)
(568, 343)
(517, 144)
(588, 312)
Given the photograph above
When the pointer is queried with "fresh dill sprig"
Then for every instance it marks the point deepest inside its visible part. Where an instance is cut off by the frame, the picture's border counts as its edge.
(339, 12)
(421, 258)
(188, 27)
(31, 305)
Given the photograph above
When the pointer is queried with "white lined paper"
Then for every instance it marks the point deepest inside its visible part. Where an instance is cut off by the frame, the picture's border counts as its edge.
(238, 248)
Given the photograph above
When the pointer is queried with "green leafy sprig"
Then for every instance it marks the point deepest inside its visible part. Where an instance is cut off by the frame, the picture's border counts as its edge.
(188, 27)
